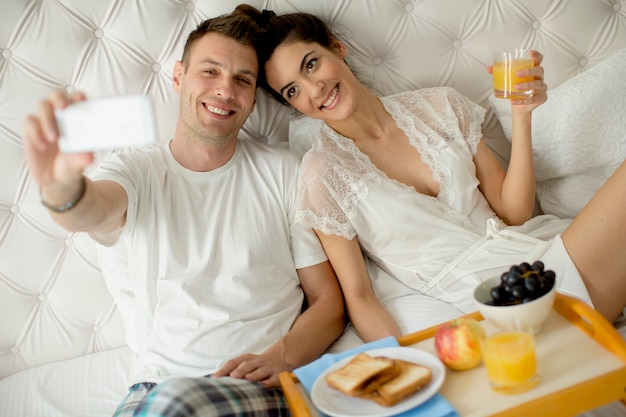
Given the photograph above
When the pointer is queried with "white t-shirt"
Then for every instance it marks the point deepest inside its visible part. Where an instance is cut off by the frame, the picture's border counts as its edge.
(203, 269)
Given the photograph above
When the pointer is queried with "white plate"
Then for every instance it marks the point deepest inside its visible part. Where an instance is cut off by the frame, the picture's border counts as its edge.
(337, 404)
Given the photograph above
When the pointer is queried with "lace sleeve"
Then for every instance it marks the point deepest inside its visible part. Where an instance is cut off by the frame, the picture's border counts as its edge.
(317, 205)
(470, 117)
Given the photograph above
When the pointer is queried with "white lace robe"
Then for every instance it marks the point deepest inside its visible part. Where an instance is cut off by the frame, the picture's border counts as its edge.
(441, 246)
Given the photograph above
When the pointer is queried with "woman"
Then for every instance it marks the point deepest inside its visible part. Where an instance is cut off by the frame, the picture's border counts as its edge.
(408, 181)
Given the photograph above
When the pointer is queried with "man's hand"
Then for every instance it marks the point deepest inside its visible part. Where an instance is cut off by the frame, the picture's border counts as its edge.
(263, 368)
(321, 323)
(102, 204)
(47, 164)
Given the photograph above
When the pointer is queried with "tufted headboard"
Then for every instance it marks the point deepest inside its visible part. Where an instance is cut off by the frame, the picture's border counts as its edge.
(53, 300)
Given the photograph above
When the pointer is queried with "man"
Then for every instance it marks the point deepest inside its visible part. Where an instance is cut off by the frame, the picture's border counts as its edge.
(198, 243)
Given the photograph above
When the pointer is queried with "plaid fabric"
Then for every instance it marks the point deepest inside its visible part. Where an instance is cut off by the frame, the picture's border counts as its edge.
(210, 397)
(136, 393)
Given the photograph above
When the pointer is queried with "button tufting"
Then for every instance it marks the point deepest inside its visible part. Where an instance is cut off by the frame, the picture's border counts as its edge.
(96, 328)
(15, 349)
(377, 61)
(536, 24)
(98, 33)
(69, 241)
(262, 139)
(156, 67)
(190, 6)
(70, 89)
(42, 297)
(409, 7)
(583, 62)
(457, 44)
(617, 7)
(6, 53)
(14, 208)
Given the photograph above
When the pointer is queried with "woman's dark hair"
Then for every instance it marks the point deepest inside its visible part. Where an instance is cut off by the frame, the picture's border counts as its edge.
(288, 28)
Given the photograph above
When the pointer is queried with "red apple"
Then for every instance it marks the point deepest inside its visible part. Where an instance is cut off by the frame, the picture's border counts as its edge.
(457, 343)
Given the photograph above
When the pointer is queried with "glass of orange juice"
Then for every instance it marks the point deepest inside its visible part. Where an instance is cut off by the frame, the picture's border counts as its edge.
(505, 66)
(511, 361)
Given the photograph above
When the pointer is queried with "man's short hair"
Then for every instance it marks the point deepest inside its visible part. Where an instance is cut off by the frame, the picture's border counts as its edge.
(241, 25)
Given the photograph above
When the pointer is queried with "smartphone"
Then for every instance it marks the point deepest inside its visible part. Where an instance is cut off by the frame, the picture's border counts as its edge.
(106, 123)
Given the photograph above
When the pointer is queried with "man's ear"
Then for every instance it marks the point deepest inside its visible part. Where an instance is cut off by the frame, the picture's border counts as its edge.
(179, 69)
(341, 49)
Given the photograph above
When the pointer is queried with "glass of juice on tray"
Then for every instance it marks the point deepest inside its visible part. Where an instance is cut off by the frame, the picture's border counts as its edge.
(511, 361)
(505, 67)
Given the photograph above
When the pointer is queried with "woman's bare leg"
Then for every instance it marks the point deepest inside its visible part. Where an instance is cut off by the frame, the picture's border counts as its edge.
(596, 242)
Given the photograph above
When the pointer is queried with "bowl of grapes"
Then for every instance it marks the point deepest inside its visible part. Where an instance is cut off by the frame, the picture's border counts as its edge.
(519, 299)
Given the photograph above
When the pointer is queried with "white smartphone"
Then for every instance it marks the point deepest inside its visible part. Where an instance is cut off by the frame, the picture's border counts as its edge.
(106, 123)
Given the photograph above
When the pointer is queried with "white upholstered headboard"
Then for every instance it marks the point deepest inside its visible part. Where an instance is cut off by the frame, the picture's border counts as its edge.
(53, 301)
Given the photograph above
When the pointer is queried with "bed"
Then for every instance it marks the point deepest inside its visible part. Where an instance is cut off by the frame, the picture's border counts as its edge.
(62, 348)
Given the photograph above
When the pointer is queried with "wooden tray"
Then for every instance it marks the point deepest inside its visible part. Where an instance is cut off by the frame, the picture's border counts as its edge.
(581, 358)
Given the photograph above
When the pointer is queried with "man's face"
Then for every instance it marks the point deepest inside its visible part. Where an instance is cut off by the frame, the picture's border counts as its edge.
(217, 88)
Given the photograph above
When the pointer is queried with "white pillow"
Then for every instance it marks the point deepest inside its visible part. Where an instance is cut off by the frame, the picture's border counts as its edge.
(579, 135)
(92, 385)
(302, 132)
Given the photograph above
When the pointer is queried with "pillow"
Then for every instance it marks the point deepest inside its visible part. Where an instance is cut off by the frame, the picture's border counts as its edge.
(579, 135)
(303, 130)
(91, 385)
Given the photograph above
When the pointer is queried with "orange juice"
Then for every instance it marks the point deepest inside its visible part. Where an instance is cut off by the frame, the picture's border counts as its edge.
(511, 362)
(504, 78)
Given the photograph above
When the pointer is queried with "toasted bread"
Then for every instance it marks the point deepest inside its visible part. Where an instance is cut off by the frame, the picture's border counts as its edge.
(355, 376)
(410, 379)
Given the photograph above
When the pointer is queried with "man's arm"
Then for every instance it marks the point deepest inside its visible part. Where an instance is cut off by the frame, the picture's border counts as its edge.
(102, 208)
(321, 323)
(75, 202)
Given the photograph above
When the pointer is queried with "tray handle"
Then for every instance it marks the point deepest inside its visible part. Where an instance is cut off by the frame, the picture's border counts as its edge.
(412, 338)
(592, 323)
(297, 404)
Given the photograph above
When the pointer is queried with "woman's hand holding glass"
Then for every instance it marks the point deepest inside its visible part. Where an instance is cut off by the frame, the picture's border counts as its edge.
(536, 85)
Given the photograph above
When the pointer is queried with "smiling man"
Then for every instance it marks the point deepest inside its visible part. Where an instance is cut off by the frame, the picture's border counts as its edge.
(197, 239)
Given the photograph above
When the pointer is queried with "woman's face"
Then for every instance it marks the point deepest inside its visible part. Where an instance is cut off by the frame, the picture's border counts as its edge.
(313, 79)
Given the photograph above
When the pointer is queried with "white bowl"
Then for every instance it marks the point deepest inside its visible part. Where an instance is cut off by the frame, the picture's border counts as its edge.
(528, 316)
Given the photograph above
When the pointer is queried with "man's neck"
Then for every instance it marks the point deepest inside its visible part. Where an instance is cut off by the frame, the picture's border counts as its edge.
(201, 157)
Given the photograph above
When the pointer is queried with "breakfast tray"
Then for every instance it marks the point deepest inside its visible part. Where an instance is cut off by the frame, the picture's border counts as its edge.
(581, 359)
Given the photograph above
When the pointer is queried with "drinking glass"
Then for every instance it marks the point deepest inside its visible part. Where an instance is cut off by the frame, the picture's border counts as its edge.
(511, 361)
(505, 67)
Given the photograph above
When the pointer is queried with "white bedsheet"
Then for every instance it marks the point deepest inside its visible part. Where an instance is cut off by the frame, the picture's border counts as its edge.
(91, 385)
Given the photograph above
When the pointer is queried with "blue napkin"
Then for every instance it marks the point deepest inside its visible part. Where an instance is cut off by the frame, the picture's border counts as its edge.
(436, 406)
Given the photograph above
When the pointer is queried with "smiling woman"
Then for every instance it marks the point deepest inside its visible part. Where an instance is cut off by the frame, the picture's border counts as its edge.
(307, 76)
(458, 215)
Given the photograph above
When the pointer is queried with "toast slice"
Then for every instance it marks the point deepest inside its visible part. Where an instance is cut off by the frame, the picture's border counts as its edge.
(411, 378)
(362, 374)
